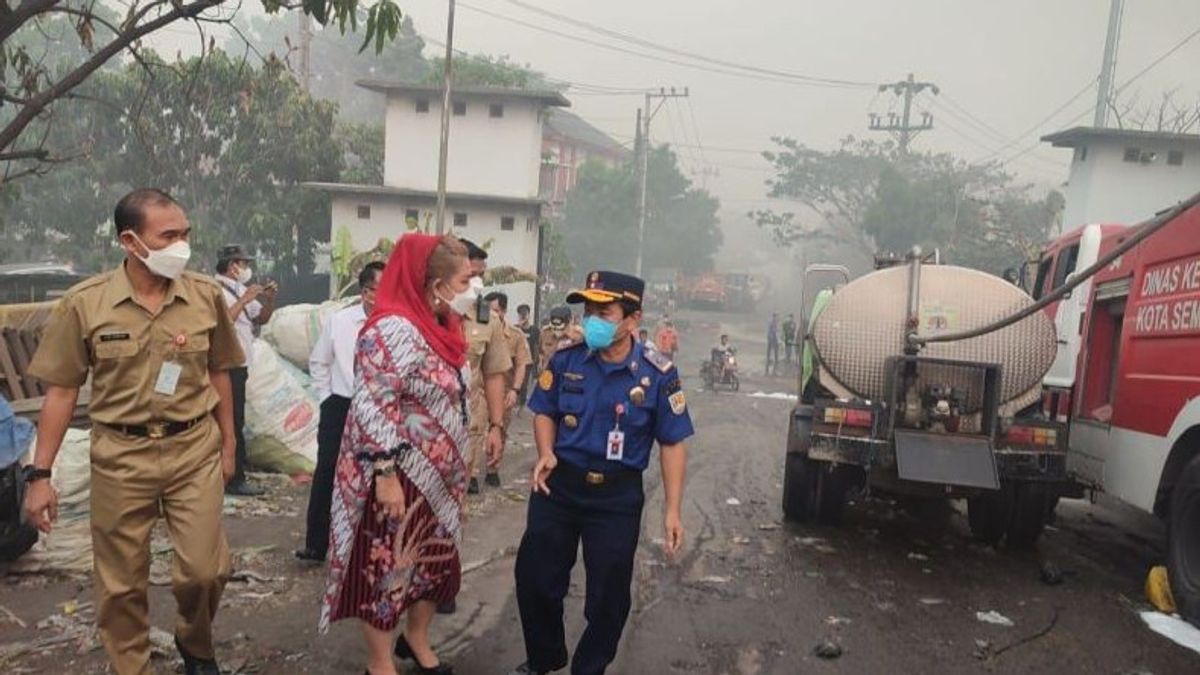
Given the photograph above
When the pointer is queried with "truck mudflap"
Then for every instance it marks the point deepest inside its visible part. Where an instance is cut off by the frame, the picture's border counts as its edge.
(946, 459)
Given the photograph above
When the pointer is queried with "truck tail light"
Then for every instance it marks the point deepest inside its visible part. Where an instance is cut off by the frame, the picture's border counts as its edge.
(1039, 436)
(849, 417)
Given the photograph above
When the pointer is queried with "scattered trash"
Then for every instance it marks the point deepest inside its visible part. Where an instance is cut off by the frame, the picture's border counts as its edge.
(983, 649)
(778, 395)
(733, 501)
(837, 621)
(1158, 590)
(932, 601)
(1051, 575)
(162, 642)
(7, 616)
(1174, 629)
(70, 607)
(714, 580)
(918, 556)
(828, 650)
(741, 541)
(995, 618)
(767, 527)
(824, 548)
(248, 576)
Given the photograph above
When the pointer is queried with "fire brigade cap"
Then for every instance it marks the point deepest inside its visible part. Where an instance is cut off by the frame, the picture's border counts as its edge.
(561, 313)
(605, 287)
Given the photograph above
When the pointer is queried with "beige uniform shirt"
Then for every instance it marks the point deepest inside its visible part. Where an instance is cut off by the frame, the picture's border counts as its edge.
(518, 347)
(487, 354)
(98, 326)
(550, 341)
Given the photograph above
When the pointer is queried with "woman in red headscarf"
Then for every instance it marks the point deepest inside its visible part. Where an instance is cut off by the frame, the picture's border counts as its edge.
(401, 475)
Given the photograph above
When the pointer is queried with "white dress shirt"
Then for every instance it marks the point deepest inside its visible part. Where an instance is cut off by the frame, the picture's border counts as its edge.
(243, 323)
(331, 363)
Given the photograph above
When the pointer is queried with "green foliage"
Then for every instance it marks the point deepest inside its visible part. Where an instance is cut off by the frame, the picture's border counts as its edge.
(867, 195)
(363, 146)
(493, 71)
(599, 225)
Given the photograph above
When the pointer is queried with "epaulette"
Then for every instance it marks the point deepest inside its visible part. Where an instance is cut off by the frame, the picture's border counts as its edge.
(202, 278)
(657, 359)
(90, 282)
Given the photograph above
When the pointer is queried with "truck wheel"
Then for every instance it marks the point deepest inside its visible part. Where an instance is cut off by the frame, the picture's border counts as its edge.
(797, 488)
(1030, 505)
(829, 494)
(989, 515)
(1183, 542)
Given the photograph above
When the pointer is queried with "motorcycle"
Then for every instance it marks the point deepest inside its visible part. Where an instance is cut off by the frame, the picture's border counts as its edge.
(721, 370)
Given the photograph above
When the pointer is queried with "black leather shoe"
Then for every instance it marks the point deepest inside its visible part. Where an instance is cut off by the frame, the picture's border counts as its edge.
(492, 479)
(196, 666)
(473, 487)
(308, 555)
(526, 669)
(405, 653)
(447, 607)
(244, 489)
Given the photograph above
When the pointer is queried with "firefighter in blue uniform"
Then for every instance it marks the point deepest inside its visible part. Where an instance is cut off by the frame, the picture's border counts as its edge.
(598, 407)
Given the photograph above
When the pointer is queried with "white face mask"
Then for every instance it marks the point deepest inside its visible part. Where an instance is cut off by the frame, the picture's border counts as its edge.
(167, 262)
(464, 303)
(244, 274)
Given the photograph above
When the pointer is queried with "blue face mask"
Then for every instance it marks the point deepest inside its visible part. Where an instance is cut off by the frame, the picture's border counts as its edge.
(598, 333)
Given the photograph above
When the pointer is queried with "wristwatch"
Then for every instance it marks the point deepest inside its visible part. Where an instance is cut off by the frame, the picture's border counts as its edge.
(33, 474)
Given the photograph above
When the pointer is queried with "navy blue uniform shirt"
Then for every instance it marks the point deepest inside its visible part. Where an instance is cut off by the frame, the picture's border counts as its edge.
(588, 398)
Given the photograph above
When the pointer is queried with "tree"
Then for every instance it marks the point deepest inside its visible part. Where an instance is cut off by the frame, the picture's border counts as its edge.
(30, 86)
(493, 71)
(599, 221)
(232, 142)
(867, 195)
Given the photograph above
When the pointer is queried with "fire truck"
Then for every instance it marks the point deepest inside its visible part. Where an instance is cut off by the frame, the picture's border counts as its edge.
(1127, 375)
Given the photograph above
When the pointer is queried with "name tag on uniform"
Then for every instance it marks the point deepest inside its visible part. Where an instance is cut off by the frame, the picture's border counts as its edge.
(616, 445)
(168, 378)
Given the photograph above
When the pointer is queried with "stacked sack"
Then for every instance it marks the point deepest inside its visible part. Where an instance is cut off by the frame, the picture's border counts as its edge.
(281, 416)
(68, 547)
(293, 330)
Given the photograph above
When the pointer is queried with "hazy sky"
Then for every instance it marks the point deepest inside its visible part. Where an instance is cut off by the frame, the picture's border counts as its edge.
(1009, 64)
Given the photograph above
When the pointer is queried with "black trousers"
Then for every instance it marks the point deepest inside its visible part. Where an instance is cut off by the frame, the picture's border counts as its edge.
(320, 495)
(237, 376)
(607, 519)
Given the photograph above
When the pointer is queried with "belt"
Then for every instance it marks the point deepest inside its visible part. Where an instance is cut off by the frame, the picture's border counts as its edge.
(156, 430)
(597, 478)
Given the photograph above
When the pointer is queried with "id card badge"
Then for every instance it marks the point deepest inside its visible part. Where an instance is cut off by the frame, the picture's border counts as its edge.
(616, 445)
(168, 378)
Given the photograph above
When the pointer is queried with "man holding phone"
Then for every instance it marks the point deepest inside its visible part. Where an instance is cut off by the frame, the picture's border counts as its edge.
(249, 306)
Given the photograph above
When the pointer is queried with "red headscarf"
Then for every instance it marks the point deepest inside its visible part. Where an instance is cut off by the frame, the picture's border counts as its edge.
(402, 293)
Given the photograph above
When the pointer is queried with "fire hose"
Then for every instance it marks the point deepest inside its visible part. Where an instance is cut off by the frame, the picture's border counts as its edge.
(1142, 231)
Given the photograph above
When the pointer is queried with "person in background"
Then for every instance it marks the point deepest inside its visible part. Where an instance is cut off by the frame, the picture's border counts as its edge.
(331, 365)
(599, 407)
(249, 306)
(789, 338)
(644, 338)
(525, 325)
(518, 346)
(401, 470)
(159, 346)
(490, 360)
(559, 333)
(667, 339)
(773, 345)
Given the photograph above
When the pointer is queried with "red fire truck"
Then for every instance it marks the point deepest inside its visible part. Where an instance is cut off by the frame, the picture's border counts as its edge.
(1134, 400)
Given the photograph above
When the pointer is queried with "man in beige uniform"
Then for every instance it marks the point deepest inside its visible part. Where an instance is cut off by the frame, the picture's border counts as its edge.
(518, 347)
(490, 361)
(159, 344)
(557, 334)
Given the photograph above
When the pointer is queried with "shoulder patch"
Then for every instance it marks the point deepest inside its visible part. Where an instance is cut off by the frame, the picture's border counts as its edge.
(678, 402)
(658, 360)
(90, 282)
(202, 278)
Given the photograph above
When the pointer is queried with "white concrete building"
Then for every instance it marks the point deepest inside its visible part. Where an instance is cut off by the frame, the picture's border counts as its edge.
(492, 176)
(1125, 176)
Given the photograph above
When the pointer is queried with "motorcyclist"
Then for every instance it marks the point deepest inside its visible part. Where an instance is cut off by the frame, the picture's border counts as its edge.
(720, 356)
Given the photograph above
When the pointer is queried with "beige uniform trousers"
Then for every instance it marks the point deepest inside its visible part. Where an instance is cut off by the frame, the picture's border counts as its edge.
(134, 480)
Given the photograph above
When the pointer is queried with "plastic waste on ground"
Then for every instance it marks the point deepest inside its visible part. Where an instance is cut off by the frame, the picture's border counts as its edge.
(1174, 629)
(1158, 590)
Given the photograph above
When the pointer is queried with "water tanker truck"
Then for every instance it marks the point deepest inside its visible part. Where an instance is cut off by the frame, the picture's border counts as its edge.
(882, 411)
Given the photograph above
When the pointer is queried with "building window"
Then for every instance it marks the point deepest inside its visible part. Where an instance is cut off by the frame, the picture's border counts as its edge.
(364, 212)
(460, 108)
(1081, 153)
(1175, 158)
(460, 219)
(496, 110)
(422, 105)
(412, 215)
(508, 223)
(1133, 155)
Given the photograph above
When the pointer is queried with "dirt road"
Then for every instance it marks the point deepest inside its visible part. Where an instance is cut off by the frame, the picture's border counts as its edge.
(898, 592)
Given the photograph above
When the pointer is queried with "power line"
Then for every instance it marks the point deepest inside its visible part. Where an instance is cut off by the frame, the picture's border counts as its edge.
(631, 39)
(643, 55)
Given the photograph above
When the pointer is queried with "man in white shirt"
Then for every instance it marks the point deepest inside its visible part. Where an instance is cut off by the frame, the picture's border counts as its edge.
(249, 306)
(332, 368)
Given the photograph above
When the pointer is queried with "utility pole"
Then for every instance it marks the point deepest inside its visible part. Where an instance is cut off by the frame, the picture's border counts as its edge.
(1109, 65)
(444, 150)
(305, 50)
(902, 127)
(645, 116)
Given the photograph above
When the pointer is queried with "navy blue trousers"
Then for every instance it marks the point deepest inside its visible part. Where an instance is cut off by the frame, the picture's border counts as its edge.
(607, 520)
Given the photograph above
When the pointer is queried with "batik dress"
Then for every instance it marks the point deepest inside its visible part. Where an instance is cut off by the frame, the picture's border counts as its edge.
(409, 408)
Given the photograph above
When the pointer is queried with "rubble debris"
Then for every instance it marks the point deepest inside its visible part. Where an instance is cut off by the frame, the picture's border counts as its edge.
(248, 576)
(741, 541)
(733, 501)
(1051, 575)
(983, 649)
(932, 602)
(828, 650)
(918, 556)
(995, 618)
(767, 527)
(837, 621)
(714, 580)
